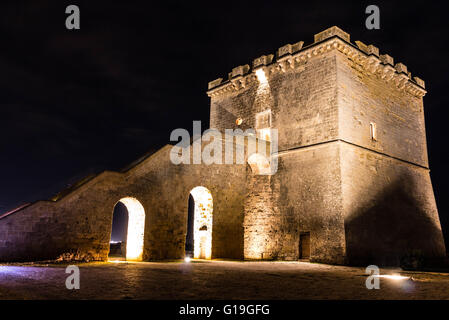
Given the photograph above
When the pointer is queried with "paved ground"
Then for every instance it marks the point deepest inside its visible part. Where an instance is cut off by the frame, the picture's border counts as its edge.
(214, 280)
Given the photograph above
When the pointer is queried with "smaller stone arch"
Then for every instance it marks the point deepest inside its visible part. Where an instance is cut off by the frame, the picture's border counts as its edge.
(202, 225)
(136, 228)
(259, 164)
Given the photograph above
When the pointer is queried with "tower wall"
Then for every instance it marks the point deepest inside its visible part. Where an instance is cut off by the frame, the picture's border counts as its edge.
(364, 98)
(302, 103)
(389, 207)
(304, 196)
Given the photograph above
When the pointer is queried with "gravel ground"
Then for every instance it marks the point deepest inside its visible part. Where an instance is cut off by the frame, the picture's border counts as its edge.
(214, 280)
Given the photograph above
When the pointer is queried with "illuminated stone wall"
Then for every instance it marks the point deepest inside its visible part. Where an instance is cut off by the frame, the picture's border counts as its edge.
(389, 206)
(78, 226)
(305, 194)
(311, 201)
(389, 209)
(398, 115)
(302, 102)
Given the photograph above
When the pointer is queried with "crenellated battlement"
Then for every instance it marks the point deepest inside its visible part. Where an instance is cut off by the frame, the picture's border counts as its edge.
(294, 56)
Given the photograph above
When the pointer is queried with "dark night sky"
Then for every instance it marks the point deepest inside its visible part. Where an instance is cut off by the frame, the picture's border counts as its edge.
(77, 102)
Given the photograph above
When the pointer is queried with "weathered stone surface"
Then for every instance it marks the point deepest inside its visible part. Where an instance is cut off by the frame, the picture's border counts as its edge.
(290, 48)
(389, 209)
(214, 83)
(263, 60)
(239, 71)
(333, 31)
(386, 59)
(81, 222)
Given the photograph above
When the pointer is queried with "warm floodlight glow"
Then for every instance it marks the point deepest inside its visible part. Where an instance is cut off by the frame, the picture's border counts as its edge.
(136, 226)
(261, 76)
(202, 225)
(393, 277)
(187, 259)
(117, 261)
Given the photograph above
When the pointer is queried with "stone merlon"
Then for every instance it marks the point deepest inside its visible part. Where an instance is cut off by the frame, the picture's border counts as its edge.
(293, 55)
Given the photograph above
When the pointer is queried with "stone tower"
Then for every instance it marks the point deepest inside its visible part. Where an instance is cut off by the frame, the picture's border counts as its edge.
(353, 183)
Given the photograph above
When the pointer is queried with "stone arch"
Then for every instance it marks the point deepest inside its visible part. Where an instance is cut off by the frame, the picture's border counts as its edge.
(259, 164)
(202, 222)
(136, 228)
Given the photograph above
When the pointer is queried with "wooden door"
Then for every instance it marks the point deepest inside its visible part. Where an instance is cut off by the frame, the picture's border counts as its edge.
(304, 245)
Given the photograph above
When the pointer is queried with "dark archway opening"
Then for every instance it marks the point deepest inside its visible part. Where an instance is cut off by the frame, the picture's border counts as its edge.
(119, 231)
(190, 234)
